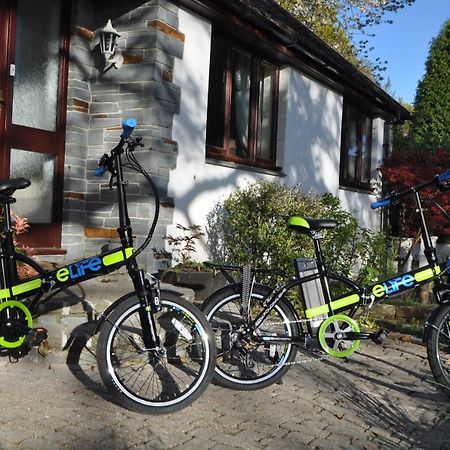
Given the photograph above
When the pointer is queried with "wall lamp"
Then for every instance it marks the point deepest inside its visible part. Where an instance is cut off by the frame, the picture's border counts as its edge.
(108, 47)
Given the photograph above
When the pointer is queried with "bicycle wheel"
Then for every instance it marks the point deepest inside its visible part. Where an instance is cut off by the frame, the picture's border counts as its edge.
(438, 347)
(242, 362)
(156, 382)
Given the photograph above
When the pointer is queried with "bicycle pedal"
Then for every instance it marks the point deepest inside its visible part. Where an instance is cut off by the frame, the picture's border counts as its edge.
(36, 336)
(380, 336)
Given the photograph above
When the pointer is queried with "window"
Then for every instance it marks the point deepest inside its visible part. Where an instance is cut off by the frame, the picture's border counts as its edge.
(242, 106)
(356, 152)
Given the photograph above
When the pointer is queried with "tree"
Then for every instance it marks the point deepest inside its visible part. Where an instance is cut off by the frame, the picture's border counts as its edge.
(338, 22)
(408, 168)
(403, 137)
(431, 128)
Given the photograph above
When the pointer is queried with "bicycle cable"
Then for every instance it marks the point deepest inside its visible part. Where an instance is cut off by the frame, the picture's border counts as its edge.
(135, 166)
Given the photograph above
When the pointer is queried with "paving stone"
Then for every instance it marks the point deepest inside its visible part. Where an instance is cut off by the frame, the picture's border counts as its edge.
(379, 399)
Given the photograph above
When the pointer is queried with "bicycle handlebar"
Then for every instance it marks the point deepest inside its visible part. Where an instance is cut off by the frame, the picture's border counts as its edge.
(104, 164)
(443, 176)
(128, 126)
(381, 203)
(438, 180)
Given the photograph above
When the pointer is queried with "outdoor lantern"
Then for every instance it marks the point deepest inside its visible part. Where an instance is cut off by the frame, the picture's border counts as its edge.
(108, 43)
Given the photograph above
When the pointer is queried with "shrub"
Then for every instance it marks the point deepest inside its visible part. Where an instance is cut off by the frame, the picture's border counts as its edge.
(407, 168)
(19, 226)
(250, 227)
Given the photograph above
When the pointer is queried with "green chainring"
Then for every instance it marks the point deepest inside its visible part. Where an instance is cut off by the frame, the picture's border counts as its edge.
(17, 311)
(330, 339)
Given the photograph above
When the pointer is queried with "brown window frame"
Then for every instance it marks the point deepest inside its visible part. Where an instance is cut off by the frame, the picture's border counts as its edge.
(355, 180)
(227, 152)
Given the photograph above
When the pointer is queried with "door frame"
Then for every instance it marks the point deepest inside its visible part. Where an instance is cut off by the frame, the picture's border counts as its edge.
(17, 136)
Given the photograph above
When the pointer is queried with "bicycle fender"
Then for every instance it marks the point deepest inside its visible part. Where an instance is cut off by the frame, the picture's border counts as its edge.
(236, 287)
(110, 308)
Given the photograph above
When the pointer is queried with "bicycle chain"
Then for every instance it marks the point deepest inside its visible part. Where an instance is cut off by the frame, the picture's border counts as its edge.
(304, 360)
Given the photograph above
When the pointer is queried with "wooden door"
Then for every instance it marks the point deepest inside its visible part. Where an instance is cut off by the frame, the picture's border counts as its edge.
(33, 90)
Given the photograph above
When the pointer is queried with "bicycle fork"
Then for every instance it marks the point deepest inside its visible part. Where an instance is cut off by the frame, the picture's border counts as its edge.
(149, 305)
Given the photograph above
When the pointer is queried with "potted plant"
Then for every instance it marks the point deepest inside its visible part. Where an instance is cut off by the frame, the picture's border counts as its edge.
(187, 272)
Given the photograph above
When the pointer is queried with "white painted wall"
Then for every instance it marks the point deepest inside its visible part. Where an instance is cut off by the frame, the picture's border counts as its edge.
(195, 185)
(309, 138)
(309, 134)
(309, 142)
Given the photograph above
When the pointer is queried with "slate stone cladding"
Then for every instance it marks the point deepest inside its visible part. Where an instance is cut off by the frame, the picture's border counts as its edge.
(99, 100)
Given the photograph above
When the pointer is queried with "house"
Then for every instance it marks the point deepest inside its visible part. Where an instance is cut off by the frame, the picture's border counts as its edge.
(223, 92)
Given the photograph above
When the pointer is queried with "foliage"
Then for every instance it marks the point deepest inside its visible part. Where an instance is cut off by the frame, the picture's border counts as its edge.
(432, 103)
(338, 22)
(19, 226)
(402, 132)
(183, 247)
(249, 227)
(408, 168)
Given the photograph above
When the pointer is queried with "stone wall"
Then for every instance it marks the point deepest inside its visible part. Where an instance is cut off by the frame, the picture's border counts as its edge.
(98, 101)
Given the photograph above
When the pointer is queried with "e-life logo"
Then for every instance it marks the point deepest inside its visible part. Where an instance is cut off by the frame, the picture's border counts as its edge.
(407, 281)
(393, 286)
(79, 269)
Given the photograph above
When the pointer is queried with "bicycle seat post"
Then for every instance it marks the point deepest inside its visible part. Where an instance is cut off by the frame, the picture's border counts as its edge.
(321, 266)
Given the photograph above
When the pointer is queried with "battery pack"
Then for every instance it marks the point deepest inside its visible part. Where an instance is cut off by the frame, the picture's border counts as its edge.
(311, 290)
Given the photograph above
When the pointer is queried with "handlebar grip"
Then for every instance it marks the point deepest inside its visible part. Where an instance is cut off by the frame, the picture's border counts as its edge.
(99, 171)
(128, 126)
(443, 176)
(381, 203)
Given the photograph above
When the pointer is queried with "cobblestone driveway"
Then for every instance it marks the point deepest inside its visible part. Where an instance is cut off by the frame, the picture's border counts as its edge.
(380, 398)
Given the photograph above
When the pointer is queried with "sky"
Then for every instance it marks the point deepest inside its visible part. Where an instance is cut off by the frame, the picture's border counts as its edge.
(405, 44)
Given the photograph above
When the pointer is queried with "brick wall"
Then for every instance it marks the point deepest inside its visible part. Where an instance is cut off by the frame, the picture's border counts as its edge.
(99, 101)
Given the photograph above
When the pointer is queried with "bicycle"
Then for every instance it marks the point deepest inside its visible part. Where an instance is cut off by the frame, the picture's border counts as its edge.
(258, 331)
(155, 350)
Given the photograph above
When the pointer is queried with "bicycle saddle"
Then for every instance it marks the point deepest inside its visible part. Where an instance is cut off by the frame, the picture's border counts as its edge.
(304, 225)
(8, 187)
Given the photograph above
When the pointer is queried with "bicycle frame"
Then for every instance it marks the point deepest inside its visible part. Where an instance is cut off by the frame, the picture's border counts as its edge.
(366, 295)
(46, 281)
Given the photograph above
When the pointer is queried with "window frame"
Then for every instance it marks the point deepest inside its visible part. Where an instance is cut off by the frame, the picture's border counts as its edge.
(355, 182)
(226, 153)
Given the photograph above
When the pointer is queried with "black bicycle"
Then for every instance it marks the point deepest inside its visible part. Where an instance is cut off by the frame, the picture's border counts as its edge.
(155, 350)
(258, 331)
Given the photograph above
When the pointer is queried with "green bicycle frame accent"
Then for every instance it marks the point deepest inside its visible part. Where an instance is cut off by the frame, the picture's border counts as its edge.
(379, 291)
(69, 275)
(334, 305)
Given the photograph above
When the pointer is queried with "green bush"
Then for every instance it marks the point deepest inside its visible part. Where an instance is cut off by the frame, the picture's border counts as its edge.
(250, 227)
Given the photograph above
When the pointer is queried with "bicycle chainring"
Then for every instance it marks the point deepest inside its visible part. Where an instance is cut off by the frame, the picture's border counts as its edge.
(332, 335)
(15, 318)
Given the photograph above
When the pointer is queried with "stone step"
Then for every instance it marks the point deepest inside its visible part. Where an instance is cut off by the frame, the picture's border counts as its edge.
(65, 311)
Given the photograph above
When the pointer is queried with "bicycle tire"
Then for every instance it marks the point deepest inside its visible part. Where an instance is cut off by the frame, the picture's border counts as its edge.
(148, 383)
(438, 347)
(264, 363)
